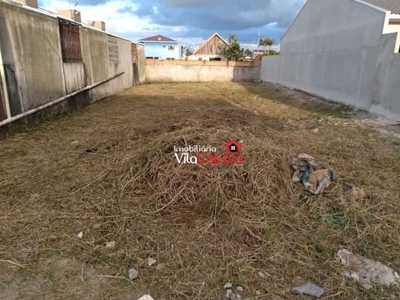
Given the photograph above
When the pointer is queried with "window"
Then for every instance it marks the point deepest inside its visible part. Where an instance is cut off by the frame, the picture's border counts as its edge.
(171, 48)
(113, 50)
(70, 41)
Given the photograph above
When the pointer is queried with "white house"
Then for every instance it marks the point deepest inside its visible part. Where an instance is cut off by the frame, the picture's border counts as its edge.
(345, 51)
(161, 47)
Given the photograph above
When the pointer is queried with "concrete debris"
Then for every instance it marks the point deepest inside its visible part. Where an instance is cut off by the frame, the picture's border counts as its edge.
(133, 274)
(228, 285)
(146, 297)
(96, 226)
(355, 193)
(367, 272)
(80, 235)
(160, 267)
(230, 295)
(309, 173)
(310, 289)
(150, 261)
(109, 245)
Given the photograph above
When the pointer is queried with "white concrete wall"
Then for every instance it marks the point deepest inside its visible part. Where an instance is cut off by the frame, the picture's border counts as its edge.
(200, 73)
(386, 94)
(35, 71)
(270, 68)
(31, 50)
(333, 50)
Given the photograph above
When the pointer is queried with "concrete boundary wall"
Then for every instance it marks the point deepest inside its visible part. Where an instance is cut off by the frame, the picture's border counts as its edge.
(201, 71)
(340, 57)
(36, 73)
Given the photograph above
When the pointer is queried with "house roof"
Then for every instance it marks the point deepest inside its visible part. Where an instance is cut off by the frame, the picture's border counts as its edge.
(209, 39)
(392, 5)
(158, 38)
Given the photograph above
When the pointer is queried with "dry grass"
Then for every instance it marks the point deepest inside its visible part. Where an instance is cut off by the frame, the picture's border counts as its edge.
(207, 224)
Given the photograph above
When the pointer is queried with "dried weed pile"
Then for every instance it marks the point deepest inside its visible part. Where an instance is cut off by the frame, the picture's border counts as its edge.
(109, 171)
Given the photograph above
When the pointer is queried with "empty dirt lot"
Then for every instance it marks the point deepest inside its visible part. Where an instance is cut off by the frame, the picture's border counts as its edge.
(108, 174)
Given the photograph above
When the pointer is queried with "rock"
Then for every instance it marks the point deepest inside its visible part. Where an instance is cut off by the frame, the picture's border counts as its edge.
(239, 289)
(228, 285)
(133, 274)
(160, 267)
(96, 226)
(80, 235)
(109, 245)
(146, 297)
(366, 272)
(310, 288)
(150, 261)
(261, 274)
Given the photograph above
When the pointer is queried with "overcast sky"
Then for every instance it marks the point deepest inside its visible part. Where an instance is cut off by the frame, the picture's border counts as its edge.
(188, 21)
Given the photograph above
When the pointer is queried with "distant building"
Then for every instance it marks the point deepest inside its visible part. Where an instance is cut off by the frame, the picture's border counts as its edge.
(161, 47)
(212, 49)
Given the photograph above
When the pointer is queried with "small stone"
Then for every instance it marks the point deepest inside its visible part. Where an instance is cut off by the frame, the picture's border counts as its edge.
(74, 142)
(150, 261)
(239, 289)
(133, 274)
(261, 274)
(258, 293)
(96, 226)
(228, 293)
(110, 245)
(228, 285)
(80, 235)
(160, 267)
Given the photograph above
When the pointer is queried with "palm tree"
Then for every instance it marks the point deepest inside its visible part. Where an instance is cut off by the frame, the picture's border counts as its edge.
(266, 42)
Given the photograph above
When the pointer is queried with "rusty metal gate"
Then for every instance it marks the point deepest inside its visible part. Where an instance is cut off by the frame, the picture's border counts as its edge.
(70, 41)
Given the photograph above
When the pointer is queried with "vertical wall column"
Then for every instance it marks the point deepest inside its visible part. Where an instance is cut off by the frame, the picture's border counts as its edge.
(4, 104)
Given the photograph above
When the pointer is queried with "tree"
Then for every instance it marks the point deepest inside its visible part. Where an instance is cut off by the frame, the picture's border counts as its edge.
(188, 52)
(248, 52)
(266, 42)
(234, 52)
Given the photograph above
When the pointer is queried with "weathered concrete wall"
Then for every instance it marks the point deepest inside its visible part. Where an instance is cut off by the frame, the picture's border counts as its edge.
(31, 50)
(94, 54)
(75, 77)
(122, 82)
(141, 63)
(386, 92)
(35, 71)
(270, 68)
(200, 71)
(334, 56)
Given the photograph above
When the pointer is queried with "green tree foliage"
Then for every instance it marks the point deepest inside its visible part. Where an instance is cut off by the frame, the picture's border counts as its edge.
(267, 42)
(234, 52)
(188, 52)
(248, 52)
